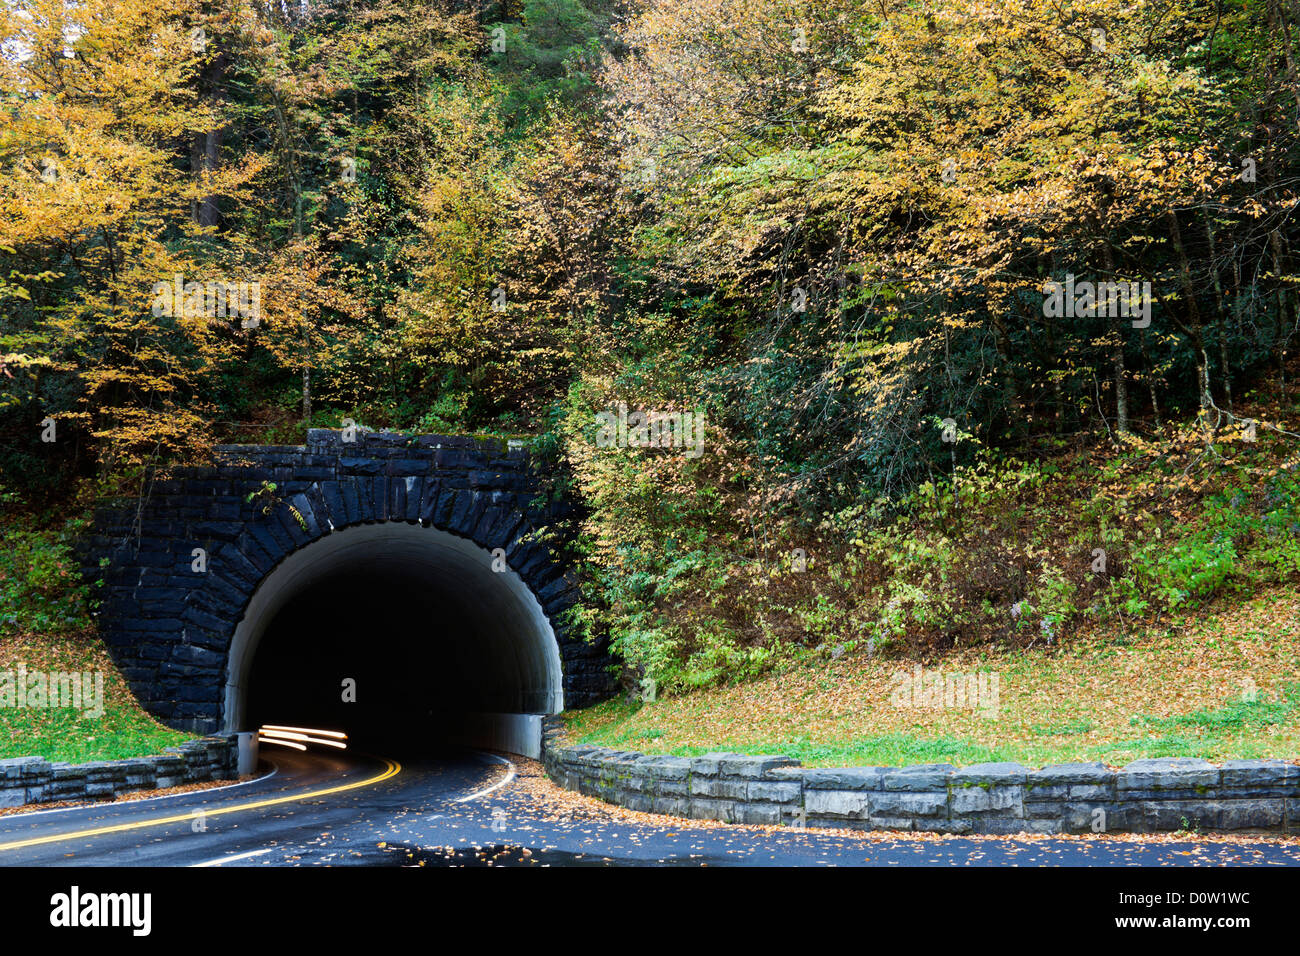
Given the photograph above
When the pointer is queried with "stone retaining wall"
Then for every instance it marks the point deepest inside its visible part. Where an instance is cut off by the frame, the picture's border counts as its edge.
(1144, 797)
(36, 780)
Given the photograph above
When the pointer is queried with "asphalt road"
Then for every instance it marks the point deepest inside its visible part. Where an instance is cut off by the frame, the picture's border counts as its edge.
(351, 810)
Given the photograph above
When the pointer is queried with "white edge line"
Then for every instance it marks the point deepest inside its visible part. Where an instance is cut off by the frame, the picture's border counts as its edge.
(101, 804)
(496, 786)
(237, 856)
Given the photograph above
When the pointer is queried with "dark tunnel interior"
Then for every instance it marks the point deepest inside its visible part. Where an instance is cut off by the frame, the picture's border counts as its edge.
(389, 659)
(399, 636)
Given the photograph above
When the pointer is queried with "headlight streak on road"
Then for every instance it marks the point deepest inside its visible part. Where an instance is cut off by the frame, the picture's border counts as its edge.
(277, 739)
(284, 743)
(393, 769)
(279, 734)
(307, 730)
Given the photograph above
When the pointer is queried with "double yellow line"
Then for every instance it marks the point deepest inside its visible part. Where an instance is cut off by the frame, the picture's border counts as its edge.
(391, 770)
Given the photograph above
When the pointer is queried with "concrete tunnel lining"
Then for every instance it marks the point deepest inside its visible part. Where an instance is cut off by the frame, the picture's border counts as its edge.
(509, 616)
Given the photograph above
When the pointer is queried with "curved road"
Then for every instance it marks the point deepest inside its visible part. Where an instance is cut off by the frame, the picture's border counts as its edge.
(327, 809)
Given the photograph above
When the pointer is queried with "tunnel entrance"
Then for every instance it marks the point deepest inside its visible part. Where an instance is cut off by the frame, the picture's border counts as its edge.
(401, 636)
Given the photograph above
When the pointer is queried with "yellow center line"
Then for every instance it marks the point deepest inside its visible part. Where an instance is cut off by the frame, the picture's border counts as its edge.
(392, 770)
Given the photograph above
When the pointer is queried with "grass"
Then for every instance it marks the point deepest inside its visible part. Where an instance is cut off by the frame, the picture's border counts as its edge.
(65, 734)
(1223, 683)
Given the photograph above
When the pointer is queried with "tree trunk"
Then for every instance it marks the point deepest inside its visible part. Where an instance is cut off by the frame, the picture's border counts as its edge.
(205, 152)
(1150, 377)
(206, 209)
(1279, 27)
(1058, 392)
(1121, 383)
(1224, 368)
(1193, 326)
(1117, 353)
(1281, 335)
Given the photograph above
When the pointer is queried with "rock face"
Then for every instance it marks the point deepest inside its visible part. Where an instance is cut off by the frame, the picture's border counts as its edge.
(1147, 796)
(169, 626)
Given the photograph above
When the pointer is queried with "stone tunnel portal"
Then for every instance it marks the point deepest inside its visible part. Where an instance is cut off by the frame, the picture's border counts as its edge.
(391, 584)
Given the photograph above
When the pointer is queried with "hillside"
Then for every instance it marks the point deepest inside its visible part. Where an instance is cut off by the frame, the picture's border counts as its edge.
(879, 333)
(1224, 684)
(46, 632)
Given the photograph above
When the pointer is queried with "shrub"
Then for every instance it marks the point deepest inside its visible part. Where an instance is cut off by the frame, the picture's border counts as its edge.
(40, 588)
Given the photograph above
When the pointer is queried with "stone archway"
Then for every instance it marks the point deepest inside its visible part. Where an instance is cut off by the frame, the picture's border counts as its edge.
(191, 574)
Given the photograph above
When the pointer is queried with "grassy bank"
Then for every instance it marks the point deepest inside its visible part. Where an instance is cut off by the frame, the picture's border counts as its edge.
(1222, 683)
(122, 730)
(45, 627)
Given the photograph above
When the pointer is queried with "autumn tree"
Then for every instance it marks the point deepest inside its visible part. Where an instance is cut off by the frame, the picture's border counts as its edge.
(96, 212)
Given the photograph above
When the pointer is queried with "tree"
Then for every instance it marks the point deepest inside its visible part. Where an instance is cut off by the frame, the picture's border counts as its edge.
(100, 95)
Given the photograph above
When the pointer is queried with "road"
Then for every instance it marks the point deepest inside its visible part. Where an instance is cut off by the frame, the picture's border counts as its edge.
(471, 809)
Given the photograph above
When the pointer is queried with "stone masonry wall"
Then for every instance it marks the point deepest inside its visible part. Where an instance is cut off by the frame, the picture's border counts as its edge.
(26, 780)
(169, 629)
(1144, 797)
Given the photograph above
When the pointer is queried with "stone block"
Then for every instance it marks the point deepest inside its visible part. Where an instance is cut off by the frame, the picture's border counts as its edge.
(909, 803)
(1181, 773)
(837, 803)
(1001, 774)
(845, 778)
(774, 791)
(922, 777)
(977, 799)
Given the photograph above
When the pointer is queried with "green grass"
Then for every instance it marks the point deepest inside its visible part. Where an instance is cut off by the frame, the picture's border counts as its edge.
(1238, 715)
(65, 734)
(45, 625)
(1070, 728)
(886, 750)
(1222, 730)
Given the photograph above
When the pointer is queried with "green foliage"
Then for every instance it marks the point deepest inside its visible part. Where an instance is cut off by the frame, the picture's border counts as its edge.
(1194, 569)
(41, 590)
(264, 498)
(550, 55)
(1205, 560)
(1004, 554)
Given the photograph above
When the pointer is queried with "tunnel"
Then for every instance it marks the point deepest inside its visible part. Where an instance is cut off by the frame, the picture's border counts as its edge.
(406, 638)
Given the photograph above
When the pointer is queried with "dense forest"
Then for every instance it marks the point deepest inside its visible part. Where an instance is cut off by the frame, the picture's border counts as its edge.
(960, 293)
